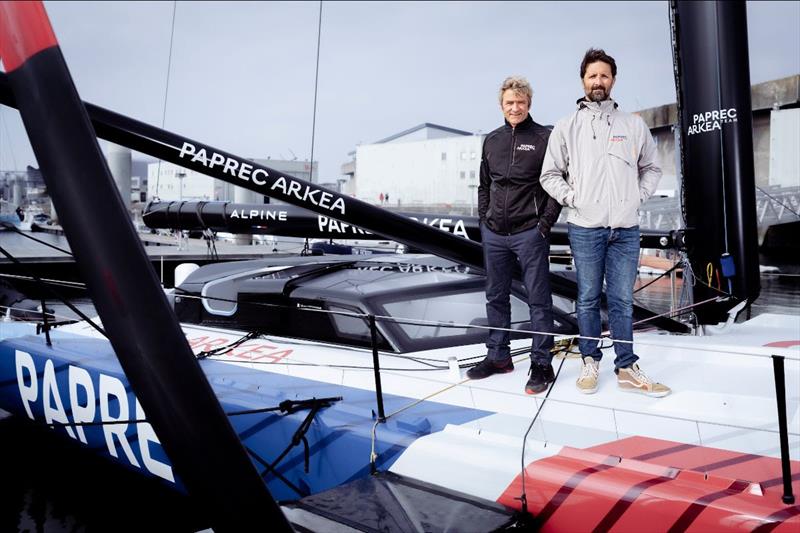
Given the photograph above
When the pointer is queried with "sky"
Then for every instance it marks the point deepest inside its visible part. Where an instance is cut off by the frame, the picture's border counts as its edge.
(241, 75)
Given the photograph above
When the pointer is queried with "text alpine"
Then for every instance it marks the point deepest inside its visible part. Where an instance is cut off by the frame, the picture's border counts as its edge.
(247, 172)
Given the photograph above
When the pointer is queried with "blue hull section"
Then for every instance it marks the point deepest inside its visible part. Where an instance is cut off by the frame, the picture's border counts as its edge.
(79, 379)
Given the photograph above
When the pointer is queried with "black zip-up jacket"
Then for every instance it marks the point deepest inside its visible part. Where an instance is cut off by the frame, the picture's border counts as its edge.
(510, 198)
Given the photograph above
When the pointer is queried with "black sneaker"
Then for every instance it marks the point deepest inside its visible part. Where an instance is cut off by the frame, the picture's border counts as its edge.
(541, 377)
(487, 367)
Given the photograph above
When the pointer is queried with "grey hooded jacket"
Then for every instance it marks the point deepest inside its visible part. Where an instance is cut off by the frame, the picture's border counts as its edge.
(602, 164)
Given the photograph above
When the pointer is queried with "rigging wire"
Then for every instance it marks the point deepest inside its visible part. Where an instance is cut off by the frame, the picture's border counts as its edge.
(166, 92)
(374, 456)
(63, 319)
(54, 293)
(221, 351)
(688, 275)
(277, 474)
(777, 201)
(400, 320)
(674, 267)
(8, 140)
(12, 227)
(57, 282)
(436, 323)
(316, 85)
(564, 401)
(523, 497)
(721, 142)
(561, 337)
(211, 246)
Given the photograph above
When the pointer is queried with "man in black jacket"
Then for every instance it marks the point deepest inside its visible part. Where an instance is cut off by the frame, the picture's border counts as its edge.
(516, 215)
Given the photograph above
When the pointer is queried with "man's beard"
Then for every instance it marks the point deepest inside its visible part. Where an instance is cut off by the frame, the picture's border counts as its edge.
(598, 94)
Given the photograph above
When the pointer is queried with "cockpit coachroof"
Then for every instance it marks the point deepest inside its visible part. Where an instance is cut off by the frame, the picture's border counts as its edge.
(276, 296)
(356, 273)
(319, 298)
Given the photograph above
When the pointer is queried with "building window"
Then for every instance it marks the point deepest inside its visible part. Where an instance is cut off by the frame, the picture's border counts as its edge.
(473, 155)
(472, 174)
(444, 156)
(463, 156)
(463, 174)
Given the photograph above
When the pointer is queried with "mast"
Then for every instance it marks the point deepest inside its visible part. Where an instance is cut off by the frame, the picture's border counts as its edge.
(181, 406)
(718, 185)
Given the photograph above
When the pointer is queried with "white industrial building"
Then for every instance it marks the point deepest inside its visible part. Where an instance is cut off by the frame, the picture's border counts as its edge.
(428, 165)
(167, 181)
(776, 132)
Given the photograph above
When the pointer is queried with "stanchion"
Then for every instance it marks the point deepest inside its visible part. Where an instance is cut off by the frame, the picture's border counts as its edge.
(780, 396)
(376, 367)
(46, 324)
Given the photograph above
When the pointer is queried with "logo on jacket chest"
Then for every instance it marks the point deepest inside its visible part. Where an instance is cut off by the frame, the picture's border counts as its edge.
(618, 138)
(526, 147)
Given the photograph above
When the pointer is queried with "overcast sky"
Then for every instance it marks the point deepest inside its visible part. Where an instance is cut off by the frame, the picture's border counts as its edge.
(242, 74)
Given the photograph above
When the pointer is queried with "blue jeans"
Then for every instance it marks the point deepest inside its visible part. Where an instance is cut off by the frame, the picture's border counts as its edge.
(612, 253)
(501, 254)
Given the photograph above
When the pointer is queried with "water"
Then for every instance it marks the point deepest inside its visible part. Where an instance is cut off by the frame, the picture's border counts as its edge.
(49, 484)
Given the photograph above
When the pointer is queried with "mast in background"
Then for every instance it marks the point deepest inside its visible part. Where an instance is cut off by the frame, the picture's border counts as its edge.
(718, 186)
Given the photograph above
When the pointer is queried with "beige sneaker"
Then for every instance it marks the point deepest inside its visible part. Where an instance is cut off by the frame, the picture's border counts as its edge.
(632, 379)
(587, 381)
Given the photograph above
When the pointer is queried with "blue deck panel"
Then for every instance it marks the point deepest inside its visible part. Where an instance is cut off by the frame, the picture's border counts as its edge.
(339, 439)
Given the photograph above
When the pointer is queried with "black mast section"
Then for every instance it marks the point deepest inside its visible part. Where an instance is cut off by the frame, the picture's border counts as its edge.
(292, 221)
(180, 404)
(715, 110)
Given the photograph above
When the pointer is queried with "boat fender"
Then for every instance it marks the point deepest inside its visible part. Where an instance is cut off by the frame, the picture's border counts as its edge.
(183, 271)
(455, 369)
(728, 266)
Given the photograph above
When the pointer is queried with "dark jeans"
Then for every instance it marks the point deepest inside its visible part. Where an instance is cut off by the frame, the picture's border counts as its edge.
(500, 255)
(613, 254)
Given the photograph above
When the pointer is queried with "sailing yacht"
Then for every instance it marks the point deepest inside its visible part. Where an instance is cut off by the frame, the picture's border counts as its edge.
(342, 380)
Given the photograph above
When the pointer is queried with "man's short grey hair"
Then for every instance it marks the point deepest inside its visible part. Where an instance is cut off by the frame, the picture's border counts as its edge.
(519, 85)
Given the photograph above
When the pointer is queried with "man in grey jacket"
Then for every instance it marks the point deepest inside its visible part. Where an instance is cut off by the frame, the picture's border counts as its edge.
(602, 164)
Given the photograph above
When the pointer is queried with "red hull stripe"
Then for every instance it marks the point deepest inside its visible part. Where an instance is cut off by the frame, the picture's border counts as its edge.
(567, 488)
(24, 31)
(783, 344)
(778, 481)
(623, 503)
(693, 511)
(714, 461)
(665, 451)
(776, 519)
(682, 486)
(743, 458)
